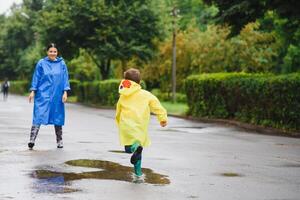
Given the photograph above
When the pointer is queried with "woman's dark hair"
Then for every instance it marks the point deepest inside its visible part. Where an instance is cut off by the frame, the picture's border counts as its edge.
(52, 45)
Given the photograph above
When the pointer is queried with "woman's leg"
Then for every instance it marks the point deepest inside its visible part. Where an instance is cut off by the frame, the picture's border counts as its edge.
(58, 132)
(33, 134)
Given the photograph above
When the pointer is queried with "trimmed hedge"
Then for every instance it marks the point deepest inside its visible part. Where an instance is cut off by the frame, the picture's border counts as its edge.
(99, 92)
(108, 92)
(262, 99)
(165, 96)
(74, 84)
(103, 93)
(19, 87)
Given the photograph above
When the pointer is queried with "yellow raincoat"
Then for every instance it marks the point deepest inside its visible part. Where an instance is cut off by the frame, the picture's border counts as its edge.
(133, 113)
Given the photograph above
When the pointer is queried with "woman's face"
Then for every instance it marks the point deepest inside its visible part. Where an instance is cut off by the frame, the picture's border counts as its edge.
(52, 53)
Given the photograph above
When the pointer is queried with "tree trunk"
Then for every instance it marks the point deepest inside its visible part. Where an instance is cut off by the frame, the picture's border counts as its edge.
(124, 65)
(103, 65)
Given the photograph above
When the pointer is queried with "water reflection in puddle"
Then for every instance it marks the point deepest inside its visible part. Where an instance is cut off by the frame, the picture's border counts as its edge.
(57, 182)
(52, 184)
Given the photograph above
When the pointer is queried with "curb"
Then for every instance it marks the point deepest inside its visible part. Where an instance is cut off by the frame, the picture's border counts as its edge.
(249, 127)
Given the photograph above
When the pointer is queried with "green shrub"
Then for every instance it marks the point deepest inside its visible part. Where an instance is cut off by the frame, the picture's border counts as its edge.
(262, 99)
(103, 93)
(165, 96)
(108, 92)
(74, 84)
(80, 92)
(19, 87)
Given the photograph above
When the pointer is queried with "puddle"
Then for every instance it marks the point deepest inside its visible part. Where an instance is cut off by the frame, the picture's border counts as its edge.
(171, 130)
(194, 127)
(51, 184)
(231, 174)
(291, 165)
(192, 197)
(107, 171)
(88, 142)
(117, 151)
(1, 151)
(184, 129)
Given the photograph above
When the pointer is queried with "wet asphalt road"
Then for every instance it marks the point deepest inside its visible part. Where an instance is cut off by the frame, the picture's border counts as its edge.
(197, 160)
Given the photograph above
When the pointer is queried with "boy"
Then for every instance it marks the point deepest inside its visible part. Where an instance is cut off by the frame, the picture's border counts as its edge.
(133, 115)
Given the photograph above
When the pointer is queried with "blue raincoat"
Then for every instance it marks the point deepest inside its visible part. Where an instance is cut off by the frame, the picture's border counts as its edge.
(49, 81)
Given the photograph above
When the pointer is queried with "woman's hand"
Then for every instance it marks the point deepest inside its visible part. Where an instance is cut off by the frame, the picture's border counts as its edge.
(65, 97)
(31, 96)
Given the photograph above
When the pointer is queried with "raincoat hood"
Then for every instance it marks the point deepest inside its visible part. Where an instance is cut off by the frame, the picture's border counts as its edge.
(57, 60)
(128, 87)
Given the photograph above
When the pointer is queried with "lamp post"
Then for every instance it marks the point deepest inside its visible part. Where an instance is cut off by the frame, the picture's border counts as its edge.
(174, 14)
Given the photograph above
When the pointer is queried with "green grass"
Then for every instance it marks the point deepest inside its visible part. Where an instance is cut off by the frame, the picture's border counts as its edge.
(175, 108)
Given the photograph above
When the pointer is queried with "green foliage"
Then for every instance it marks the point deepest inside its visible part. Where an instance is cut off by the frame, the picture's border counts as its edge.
(83, 67)
(262, 99)
(108, 92)
(175, 108)
(239, 13)
(28, 60)
(292, 59)
(19, 87)
(190, 12)
(164, 96)
(103, 93)
(108, 30)
(280, 17)
(75, 88)
(211, 51)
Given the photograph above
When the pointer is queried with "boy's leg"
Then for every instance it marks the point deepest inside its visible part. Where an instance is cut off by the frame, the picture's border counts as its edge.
(138, 168)
(137, 149)
(33, 134)
(128, 149)
(58, 132)
(136, 158)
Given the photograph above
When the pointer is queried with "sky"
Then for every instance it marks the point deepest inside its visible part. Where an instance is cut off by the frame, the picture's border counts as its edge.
(5, 4)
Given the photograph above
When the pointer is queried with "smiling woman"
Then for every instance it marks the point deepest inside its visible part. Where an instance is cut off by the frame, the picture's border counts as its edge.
(49, 87)
(7, 4)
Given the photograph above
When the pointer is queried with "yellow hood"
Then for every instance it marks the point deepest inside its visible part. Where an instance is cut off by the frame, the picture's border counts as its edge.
(128, 87)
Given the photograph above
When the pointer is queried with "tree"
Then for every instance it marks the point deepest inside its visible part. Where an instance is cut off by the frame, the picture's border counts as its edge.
(107, 30)
(281, 17)
(239, 13)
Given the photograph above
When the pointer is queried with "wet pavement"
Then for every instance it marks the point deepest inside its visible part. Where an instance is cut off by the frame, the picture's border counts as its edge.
(187, 160)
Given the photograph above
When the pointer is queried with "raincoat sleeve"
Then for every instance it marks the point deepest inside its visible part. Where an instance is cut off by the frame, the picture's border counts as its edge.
(66, 78)
(157, 109)
(118, 112)
(36, 77)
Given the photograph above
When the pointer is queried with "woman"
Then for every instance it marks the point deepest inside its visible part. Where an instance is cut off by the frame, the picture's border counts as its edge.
(50, 83)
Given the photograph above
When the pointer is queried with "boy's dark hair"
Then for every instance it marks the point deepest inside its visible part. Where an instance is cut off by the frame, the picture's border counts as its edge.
(133, 75)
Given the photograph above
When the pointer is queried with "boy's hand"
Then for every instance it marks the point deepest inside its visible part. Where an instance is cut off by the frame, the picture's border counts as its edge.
(163, 123)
